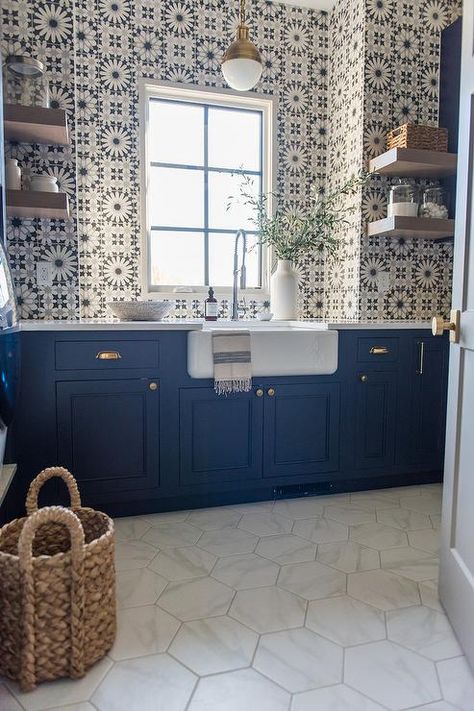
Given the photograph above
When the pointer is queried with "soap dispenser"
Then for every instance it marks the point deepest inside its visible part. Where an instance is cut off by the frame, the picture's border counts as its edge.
(210, 306)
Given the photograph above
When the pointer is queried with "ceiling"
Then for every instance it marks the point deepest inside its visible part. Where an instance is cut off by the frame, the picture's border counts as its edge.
(314, 4)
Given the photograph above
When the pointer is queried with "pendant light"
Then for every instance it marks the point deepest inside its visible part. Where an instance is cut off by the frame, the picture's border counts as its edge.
(242, 64)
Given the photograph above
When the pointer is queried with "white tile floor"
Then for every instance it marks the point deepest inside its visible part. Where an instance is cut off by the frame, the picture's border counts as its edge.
(316, 604)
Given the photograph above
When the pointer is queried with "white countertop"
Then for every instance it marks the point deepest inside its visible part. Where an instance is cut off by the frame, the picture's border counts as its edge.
(107, 324)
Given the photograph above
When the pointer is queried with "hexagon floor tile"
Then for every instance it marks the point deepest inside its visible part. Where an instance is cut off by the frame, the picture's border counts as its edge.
(286, 549)
(268, 609)
(63, 692)
(143, 630)
(138, 587)
(321, 530)
(213, 519)
(349, 514)
(171, 535)
(194, 599)
(410, 563)
(346, 621)
(390, 675)
(299, 660)
(348, 556)
(378, 536)
(214, 645)
(312, 580)
(238, 691)
(195, 590)
(423, 630)
(383, 589)
(245, 571)
(228, 541)
(265, 524)
(457, 683)
(334, 698)
(183, 563)
(145, 684)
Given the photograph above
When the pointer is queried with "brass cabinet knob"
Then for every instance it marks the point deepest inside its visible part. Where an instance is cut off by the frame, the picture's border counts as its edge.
(438, 325)
(363, 378)
(271, 392)
(153, 386)
(259, 392)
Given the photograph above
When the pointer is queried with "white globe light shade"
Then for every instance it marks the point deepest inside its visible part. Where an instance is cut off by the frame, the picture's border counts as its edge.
(242, 74)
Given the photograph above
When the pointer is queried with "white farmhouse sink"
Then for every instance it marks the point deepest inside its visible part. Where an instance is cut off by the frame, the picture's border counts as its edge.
(279, 348)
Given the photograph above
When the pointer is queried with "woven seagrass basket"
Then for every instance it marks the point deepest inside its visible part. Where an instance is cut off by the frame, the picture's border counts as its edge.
(412, 135)
(57, 588)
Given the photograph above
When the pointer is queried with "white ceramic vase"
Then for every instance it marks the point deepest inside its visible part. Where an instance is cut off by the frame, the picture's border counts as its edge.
(284, 291)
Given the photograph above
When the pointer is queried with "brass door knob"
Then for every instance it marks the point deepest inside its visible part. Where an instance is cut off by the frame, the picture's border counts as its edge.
(363, 378)
(259, 392)
(153, 386)
(439, 325)
(271, 392)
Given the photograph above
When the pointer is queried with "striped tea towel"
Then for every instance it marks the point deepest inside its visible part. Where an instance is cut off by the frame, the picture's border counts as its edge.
(232, 363)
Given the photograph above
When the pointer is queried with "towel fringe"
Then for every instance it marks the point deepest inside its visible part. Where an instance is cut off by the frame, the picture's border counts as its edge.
(227, 387)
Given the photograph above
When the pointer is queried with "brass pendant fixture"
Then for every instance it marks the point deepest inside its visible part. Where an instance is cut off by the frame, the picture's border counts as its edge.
(242, 64)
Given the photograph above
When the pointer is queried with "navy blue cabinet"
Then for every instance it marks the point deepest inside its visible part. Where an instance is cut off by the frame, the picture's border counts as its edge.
(421, 431)
(301, 426)
(220, 437)
(108, 433)
(375, 418)
(379, 420)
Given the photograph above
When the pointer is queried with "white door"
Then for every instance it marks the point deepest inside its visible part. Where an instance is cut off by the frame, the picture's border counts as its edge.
(457, 531)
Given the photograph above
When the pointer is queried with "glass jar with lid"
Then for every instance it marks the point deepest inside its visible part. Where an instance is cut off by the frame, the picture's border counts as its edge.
(24, 81)
(435, 203)
(403, 200)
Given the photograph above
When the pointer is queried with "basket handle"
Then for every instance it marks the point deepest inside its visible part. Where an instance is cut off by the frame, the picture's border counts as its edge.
(51, 514)
(37, 483)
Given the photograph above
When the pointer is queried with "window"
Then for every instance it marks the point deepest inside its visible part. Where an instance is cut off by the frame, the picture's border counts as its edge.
(199, 147)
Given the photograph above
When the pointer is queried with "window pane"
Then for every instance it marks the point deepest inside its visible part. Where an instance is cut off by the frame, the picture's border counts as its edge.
(176, 133)
(177, 258)
(223, 186)
(176, 197)
(234, 139)
(221, 260)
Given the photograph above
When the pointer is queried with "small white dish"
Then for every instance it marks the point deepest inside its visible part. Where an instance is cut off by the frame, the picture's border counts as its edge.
(264, 315)
(140, 310)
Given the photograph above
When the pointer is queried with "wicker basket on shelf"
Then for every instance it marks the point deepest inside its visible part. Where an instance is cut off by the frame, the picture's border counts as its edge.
(411, 135)
(57, 588)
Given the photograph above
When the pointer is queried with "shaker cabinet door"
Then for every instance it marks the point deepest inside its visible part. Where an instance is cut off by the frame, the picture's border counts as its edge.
(375, 419)
(108, 434)
(220, 437)
(302, 428)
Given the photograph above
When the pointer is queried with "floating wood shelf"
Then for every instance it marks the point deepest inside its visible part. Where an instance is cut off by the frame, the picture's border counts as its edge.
(35, 124)
(31, 203)
(410, 162)
(420, 227)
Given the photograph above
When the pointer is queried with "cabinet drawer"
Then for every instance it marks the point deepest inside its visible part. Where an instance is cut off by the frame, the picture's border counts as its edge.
(106, 355)
(377, 350)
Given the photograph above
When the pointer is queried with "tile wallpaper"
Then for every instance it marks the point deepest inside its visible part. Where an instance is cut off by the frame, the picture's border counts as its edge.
(359, 66)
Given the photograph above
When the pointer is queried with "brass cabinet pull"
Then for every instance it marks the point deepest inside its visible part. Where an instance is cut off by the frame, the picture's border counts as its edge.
(108, 355)
(153, 386)
(421, 346)
(259, 392)
(379, 350)
(271, 392)
(363, 378)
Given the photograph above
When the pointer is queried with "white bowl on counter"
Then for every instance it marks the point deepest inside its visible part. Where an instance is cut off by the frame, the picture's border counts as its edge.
(140, 310)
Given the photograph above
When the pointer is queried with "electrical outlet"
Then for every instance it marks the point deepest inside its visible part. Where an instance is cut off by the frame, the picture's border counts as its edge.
(383, 282)
(44, 273)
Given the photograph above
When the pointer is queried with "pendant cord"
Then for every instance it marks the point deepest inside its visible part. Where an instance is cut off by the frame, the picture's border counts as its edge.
(242, 12)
